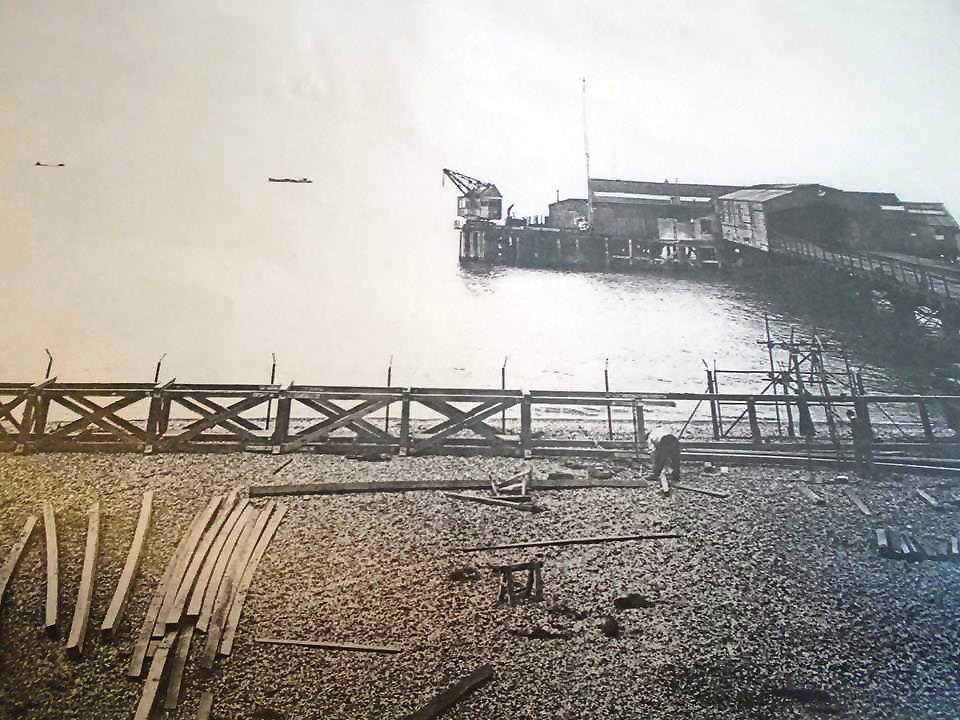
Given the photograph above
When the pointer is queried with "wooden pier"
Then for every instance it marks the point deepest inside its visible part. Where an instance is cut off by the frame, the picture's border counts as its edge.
(561, 248)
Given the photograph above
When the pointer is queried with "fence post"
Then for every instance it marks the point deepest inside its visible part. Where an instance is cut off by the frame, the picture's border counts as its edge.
(754, 425)
(40, 420)
(713, 406)
(281, 429)
(153, 421)
(526, 416)
(404, 422)
(26, 423)
(925, 419)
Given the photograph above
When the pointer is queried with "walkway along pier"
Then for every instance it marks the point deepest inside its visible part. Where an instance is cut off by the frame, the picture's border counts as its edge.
(340, 419)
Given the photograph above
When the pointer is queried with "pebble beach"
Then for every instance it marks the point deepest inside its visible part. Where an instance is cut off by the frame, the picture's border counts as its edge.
(767, 606)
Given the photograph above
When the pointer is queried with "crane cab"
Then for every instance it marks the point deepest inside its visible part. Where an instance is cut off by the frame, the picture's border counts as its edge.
(483, 204)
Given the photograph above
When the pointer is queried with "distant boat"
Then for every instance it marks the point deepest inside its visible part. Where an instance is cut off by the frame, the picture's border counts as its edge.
(40, 164)
(290, 180)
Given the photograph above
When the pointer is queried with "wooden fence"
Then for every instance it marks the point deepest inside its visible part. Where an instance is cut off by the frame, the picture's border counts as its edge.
(147, 418)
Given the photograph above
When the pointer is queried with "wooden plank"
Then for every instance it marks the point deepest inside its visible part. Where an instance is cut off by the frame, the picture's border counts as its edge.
(325, 645)
(142, 646)
(16, 552)
(52, 604)
(809, 494)
(883, 543)
(246, 580)
(88, 578)
(178, 605)
(702, 491)
(929, 499)
(664, 485)
(225, 594)
(111, 621)
(349, 488)
(181, 651)
(528, 506)
(220, 570)
(454, 694)
(573, 541)
(154, 677)
(183, 561)
(858, 503)
(205, 708)
(210, 564)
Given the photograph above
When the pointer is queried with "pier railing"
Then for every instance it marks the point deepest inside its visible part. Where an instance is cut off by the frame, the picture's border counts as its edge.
(171, 417)
(910, 275)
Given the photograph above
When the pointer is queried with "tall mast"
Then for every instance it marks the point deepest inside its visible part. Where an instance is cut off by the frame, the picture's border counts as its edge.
(586, 153)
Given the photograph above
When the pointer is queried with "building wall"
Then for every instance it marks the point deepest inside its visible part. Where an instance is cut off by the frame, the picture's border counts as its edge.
(744, 223)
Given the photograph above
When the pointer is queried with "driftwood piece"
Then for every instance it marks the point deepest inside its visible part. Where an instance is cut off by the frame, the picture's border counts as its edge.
(220, 570)
(52, 603)
(858, 503)
(171, 592)
(210, 564)
(154, 677)
(664, 485)
(111, 621)
(498, 502)
(246, 580)
(88, 578)
(573, 541)
(16, 552)
(142, 646)
(176, 608)
(454, 694)
(324, 645)
(883, 542)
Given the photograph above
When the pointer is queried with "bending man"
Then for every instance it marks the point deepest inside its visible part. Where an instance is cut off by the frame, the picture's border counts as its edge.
(665, 450)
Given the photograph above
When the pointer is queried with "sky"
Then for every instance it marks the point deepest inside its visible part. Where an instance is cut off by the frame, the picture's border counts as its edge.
(161, 232)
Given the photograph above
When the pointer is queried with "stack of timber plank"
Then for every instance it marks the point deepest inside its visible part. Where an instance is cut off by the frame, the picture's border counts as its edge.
(203, 589)
(903, 545)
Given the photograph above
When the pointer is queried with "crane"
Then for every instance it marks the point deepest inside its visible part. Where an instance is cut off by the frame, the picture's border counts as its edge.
(479, 200)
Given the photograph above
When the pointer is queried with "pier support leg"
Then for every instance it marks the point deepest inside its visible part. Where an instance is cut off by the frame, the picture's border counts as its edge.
(754, 425)
(526, 422)
(630, 252)
(606, 253)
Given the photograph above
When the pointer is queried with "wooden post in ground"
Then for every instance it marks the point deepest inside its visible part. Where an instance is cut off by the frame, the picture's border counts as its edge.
(713, 406)
(606, 386)
(281, 430)
(925, 419)
(405, 422)
(606, 252)
(755, 434)
(526, 433)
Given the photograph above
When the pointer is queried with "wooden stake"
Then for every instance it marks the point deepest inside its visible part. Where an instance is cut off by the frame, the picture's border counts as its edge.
(51, 609)
(664, 485)
(325, 645)
(88, 576)
(702, 491)
(111, 622)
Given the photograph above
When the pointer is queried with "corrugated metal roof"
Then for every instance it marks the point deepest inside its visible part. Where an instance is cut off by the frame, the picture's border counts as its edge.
(643, 187)
(758, 194)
